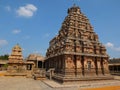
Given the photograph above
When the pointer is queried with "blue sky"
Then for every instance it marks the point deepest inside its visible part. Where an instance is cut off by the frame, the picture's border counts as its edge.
(33, 23)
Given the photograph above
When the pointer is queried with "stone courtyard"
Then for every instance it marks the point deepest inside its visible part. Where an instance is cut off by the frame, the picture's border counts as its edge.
(23, 83)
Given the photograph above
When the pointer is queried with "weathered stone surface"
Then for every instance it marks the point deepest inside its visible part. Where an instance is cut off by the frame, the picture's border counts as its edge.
(76, 50)
(36, 59)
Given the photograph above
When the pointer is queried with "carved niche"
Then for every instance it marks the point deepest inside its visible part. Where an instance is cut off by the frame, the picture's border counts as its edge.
(69, 62)
(78, 62)
(105, 64)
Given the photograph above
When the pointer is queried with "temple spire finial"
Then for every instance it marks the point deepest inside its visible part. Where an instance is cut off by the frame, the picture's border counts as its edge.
(74, 5)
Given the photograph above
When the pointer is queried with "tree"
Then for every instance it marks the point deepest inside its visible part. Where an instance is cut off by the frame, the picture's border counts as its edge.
(4, 57)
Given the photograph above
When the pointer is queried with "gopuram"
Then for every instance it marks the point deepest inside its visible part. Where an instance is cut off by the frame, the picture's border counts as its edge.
(16, 63)
(76, 53)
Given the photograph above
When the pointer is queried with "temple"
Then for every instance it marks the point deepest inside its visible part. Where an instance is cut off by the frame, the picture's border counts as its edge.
(114, 66)
(38, 60)
(76, 53)
(16, 63)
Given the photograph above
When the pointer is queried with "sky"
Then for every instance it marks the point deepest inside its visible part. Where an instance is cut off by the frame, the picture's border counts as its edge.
(33, 23)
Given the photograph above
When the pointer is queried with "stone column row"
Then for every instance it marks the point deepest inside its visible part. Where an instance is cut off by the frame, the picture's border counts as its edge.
(85, 66)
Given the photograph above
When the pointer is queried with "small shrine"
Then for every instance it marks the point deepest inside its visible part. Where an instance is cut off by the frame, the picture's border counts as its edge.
(36, 59)
(16, 63)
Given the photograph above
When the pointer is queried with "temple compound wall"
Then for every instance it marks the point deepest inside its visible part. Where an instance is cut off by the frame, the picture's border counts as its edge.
(76, 52)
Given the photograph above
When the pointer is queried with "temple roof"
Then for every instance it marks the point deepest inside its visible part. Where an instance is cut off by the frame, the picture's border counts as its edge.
(17, 47)
(76, 36)
(74, 9)
(114, 60)
(35, 57)
(16, 55)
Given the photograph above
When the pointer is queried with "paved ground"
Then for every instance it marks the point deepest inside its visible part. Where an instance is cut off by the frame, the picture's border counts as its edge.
(23, 83)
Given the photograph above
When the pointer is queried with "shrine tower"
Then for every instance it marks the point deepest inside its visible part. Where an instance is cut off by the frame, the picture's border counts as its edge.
(16, 55)
(76, 53)
(16, 63)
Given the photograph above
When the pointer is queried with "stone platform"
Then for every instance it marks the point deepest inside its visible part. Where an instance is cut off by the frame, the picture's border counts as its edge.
(83, 84)
(65, 80)
(15, 74)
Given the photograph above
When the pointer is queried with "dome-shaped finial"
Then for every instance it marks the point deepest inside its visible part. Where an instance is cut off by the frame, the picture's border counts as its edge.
(17, 46)
(74, 9)
(74, 5)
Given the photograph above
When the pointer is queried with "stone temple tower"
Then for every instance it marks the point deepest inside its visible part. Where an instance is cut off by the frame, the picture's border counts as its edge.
(16, 63)
(76, 53)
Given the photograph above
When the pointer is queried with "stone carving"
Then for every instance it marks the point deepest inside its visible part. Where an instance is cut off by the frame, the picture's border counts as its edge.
(78, 62)
(105, 64)
(70, 63)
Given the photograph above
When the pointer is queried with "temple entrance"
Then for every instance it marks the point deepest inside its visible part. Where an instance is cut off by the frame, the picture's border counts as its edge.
(40, 64)
(89, 65)
(29, 67)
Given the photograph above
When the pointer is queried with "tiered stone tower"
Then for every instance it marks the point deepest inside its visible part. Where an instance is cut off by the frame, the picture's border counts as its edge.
(76, 53)
(16, 63)
(16, 55)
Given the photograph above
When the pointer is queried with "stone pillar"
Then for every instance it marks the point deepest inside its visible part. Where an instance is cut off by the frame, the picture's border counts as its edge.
(105, 65)
(99, 66)
(63, 65)
(37, 63)
(82, 62)
(85, 66)
(59, 64)
(102, 67)
(96, 65)
(78, 66)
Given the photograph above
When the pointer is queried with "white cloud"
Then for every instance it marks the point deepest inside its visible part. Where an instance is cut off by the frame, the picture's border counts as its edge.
(3, 42)
(75, 0)
(117, 49)
(8, 8)
(27, 10)
(16, 31)
(46, 35)
(23, 49)
(36, 51)
(26, 37)
(111, 46)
